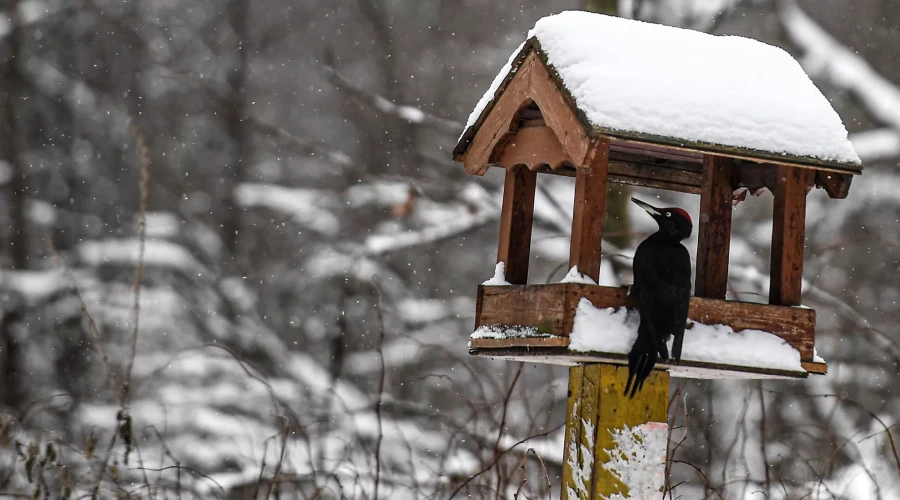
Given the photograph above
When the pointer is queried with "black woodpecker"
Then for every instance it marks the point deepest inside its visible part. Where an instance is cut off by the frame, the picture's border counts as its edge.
(661, 292)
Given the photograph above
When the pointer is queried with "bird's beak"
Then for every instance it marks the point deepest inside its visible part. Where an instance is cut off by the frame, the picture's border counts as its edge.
(648, 207)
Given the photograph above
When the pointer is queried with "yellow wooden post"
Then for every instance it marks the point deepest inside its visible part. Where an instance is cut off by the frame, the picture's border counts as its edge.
(609, 437)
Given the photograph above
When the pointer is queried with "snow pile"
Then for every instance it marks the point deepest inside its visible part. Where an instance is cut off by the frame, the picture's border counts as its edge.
(499, 278)
(311, 208)
(575, 276)
(125, 251)
(632, 76)
(638, 460)
(581, 460)
(615, 330)
(506, 332)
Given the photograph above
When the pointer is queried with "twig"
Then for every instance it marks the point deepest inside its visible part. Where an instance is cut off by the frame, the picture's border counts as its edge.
(92, 325)
(104, 465)
(144, 159)
(168, 452)
(762, 434)
(191, 470)
(702, 476)
(506, 399)
(410, 114)
(262, 469)
(378, 311)
(272, 483)
(525, 473)
(497, 459)
(887, 429)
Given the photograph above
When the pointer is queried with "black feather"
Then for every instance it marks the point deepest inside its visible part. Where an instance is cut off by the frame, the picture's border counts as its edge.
(661, 293)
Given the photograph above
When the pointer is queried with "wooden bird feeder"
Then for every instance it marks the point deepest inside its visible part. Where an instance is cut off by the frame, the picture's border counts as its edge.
(546, 113)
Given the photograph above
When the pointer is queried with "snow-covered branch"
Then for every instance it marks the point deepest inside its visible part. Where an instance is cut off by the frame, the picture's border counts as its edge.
(301, 145)
(876, 144)
(477, 207)
(411, 114)
(825, 57)
(312, 208)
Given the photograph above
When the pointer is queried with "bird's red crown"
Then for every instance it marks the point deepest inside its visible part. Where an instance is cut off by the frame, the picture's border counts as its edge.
(682, 212)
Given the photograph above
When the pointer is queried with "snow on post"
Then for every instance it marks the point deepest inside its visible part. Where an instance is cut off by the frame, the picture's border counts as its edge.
(499, 278)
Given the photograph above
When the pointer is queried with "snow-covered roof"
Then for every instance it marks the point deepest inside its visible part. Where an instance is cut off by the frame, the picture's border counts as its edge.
(680, 87)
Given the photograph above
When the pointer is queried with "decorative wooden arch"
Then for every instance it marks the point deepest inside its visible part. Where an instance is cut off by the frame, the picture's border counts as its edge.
(533, 125)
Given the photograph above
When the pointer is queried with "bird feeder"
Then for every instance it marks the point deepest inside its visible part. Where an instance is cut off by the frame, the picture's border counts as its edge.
(605, 99)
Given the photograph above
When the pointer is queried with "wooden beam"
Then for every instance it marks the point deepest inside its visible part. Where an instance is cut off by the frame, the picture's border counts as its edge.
(531, 82)
(516, 216)
(714, 233)
(523, 341)
(562, 356)
(539, 306)
(597, 413)
(560, 113)
(681, 146)
(789, 221)
(533, 147)
(589, 213)
(496, 127)
(551, 309)
(836, 185)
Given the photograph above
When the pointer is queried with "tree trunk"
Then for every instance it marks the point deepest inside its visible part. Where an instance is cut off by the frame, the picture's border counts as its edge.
(617, 229)
(609, 7)
(12, 154)
(238, 19)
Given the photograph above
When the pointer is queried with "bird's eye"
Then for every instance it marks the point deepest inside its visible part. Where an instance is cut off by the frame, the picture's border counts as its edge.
(668, 214)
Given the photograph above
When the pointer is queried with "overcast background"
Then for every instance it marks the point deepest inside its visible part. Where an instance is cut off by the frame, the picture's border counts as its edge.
(303, 214)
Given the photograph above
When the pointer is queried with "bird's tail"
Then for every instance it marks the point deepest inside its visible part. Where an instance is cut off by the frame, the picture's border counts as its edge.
(641, 360)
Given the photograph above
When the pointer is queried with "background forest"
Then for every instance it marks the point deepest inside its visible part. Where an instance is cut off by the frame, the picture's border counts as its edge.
(238, 261)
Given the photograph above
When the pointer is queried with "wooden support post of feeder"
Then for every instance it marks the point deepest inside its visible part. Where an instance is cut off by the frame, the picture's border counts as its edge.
(598, 417)
(714, 233)
(589, 212)
(788, 229)
(516, 215)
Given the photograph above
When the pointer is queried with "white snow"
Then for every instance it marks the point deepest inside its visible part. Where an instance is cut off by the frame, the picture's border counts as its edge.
(162, 225)
(615, 330)
(158, 253)
(876, 144)
(816, 357)
(422, 310)
(581, 459)
(499, 278)
(309, 207)
(638, 460)
(506, 332)
(378, 193)
(633, 76)
(474, 207)
(574, 276)
(41, 212)
(34, 285)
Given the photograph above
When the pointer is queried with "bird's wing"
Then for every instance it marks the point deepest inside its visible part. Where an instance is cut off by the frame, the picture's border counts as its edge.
(662, 290)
